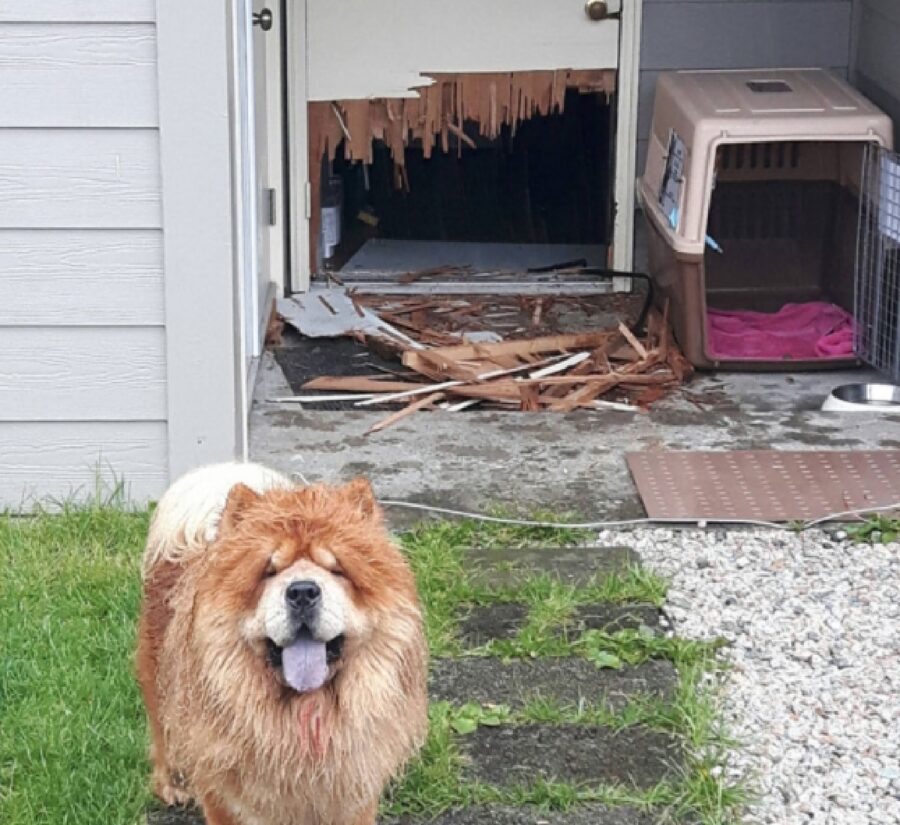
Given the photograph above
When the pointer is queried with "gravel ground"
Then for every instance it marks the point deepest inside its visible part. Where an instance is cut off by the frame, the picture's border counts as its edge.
(814, 689)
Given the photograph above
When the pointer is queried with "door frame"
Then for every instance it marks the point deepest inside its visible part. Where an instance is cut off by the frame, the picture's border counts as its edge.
(206, 390)
(297, 136)
(627, 77)
(253, 305)
(246, 185)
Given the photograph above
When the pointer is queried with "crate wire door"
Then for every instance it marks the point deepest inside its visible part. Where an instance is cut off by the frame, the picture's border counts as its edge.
(877, 292)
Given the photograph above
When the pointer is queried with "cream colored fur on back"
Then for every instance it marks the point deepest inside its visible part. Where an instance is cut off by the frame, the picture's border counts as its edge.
(187, 518)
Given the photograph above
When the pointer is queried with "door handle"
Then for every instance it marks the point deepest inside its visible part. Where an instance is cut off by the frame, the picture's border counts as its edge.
(264, 19)
(600, 9)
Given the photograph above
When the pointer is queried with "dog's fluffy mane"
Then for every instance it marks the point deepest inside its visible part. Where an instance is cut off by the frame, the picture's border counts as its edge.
(187, 517)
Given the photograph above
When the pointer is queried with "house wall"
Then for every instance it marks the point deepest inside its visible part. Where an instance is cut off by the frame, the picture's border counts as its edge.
(876, 55)
(82, 304)
(741, 34)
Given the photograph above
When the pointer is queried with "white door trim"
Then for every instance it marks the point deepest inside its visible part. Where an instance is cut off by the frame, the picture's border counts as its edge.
(298, 146)
(203, 357)
(626, 140)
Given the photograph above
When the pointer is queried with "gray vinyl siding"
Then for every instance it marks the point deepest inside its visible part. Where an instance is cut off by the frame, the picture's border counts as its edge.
(82, 322)
(877, 49)
(738, 34)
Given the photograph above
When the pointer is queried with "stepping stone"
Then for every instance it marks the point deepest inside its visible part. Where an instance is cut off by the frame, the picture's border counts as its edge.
(567, 681)
(612, 618)
(516, 755)
(530, 815)
(502, 621)
(510, 567)
(492, 621)
(175, 816)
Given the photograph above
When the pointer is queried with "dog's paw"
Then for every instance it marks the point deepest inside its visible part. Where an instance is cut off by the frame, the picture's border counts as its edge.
(169, 790)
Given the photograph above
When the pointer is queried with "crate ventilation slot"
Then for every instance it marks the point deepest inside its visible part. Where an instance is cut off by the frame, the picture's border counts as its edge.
(782, 155)
(769, 86)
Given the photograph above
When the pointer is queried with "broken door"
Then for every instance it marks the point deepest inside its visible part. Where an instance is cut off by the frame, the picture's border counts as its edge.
(374, 49)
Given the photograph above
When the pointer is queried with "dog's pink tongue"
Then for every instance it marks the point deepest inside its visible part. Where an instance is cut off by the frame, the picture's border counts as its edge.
(304, 664)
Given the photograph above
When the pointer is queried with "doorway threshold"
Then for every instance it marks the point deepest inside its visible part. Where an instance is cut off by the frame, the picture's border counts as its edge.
(394, 267)
(390, 257)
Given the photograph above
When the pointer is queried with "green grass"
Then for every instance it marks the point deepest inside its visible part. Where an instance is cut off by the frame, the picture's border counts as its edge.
(436, 551)
(875, 529)
(72, 741)
(436, 782)
(72, 729)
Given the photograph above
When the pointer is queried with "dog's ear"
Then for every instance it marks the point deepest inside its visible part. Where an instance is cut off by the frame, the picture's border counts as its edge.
(240, 498)
(360, 494)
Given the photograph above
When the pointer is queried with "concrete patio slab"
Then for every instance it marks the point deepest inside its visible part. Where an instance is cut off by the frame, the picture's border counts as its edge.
(562, 462)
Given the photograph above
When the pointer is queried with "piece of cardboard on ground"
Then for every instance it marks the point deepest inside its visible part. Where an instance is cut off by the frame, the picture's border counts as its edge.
(333, 313)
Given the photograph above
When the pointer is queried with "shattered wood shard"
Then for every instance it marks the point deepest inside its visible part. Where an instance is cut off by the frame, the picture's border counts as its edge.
(489, 100)
(441, 109)
(615, 368)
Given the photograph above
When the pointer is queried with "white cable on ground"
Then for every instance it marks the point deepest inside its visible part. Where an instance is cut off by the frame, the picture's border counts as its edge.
(601, 525)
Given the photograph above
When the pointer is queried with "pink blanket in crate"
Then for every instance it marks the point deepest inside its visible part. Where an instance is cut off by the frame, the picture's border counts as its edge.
(796, 332)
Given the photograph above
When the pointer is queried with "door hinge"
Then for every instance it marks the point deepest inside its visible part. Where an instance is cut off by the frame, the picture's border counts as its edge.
(308, 198)
(272, 207)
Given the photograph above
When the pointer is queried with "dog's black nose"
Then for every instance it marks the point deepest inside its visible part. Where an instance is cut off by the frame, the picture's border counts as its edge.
(302, 595)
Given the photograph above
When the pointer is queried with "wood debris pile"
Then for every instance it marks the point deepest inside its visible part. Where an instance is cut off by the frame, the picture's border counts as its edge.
(555, 373)
(444, 320)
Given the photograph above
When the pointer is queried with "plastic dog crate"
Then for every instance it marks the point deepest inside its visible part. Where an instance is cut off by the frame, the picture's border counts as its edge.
(751, 194)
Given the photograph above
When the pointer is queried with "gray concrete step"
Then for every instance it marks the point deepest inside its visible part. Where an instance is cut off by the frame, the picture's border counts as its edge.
(517, 755)
(476, 815)
(499, 815)
(566, 681)
(511, 567)
(483, 623)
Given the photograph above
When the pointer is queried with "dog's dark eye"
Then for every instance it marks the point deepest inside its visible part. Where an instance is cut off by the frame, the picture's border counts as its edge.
(270, 570)
(339, 573)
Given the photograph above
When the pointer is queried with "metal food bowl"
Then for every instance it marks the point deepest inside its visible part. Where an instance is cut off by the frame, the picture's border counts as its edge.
(863, 398)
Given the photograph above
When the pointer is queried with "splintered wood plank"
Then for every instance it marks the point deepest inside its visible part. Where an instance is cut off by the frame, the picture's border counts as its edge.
(507, 390)
(364, 384)
(636, 345)
(585, 394)
(532, 346)
(550, 343)
(584, 368)
(393, 418)
(446, 367)
(530, 399)
(567, 380)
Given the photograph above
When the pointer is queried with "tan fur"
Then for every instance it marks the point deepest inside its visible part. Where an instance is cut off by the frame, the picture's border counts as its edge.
(187, 516)
(225, 731)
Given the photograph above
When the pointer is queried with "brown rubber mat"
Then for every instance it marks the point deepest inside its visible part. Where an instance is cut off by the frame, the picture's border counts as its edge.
(767, 485)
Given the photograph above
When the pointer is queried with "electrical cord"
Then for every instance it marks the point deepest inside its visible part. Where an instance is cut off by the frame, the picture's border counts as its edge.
(638, 326)
(636, 522)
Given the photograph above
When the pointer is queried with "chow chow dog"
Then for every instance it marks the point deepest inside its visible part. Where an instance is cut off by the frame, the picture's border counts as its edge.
(280, 649)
